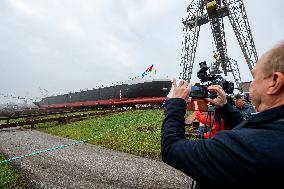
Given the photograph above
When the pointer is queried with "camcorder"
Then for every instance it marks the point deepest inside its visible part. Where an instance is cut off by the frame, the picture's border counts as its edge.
(201, 91)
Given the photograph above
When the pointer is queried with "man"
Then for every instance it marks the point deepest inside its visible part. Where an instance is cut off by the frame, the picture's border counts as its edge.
(209, 125)
(251, 153)
(246, 109)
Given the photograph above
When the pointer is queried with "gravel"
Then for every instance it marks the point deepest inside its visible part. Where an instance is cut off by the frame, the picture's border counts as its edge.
(84, 165)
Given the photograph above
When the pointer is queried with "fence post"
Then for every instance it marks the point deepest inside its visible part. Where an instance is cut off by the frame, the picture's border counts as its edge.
(32, 125)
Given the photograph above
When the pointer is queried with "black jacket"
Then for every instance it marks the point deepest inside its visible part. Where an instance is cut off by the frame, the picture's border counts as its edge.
(250, 154)
(246, 111)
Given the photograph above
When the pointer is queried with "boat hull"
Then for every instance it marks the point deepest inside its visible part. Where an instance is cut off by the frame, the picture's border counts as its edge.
(149, 91)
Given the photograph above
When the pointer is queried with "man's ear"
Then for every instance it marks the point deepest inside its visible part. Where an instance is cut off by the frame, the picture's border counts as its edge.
(276, 85)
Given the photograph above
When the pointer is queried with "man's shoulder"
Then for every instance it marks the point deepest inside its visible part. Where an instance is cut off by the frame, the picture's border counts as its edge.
(248, 108)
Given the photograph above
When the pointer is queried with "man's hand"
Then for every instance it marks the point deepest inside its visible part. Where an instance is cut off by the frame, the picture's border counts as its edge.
(221, 99)
(182, 90)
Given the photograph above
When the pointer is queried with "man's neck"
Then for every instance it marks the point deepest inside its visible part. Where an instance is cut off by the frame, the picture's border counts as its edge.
(272, 104)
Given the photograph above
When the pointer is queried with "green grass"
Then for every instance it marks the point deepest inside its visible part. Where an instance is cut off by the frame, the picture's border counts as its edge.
(9, 177)
(136, 132)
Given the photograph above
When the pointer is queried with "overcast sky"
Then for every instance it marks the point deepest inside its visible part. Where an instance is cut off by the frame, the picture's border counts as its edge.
(68, 45)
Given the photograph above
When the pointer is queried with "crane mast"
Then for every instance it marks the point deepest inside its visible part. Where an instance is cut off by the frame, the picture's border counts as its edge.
(201, 12)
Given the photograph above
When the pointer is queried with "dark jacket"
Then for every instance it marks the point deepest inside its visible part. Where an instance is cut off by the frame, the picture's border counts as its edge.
(246, 111)
(250, 154)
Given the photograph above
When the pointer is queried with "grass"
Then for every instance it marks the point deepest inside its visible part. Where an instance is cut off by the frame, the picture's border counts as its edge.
(136, 132)
(9, 177)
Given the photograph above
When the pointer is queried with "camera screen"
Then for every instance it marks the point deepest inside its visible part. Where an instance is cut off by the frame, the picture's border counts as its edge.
(195, 88)
(198, 92)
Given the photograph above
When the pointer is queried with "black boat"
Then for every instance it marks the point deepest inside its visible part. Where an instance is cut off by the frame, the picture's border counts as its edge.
(135, 91)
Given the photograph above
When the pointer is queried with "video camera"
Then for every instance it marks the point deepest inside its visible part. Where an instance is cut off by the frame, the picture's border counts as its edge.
(201, 91)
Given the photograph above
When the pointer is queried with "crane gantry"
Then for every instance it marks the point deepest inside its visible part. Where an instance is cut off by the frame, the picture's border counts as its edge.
(201, 12)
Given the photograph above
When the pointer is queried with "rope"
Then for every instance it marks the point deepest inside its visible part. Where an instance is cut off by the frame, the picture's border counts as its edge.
(56, 148)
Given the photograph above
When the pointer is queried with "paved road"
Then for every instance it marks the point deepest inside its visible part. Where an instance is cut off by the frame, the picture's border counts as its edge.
(84, 165)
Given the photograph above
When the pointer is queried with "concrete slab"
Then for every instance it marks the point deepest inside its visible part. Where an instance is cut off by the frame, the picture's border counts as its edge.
(84, 165)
